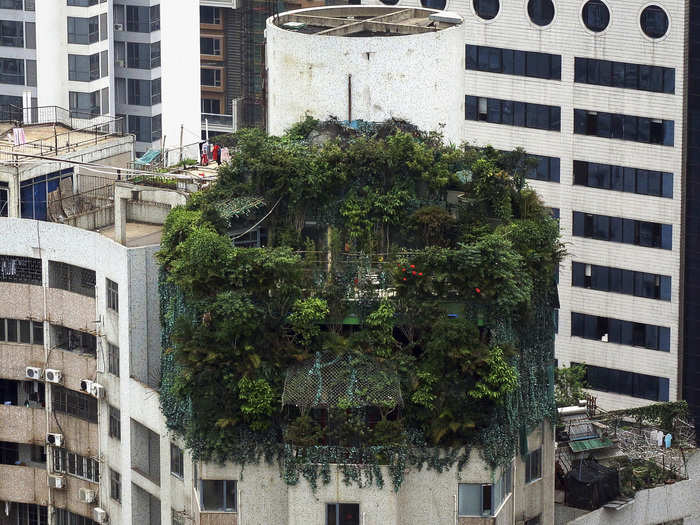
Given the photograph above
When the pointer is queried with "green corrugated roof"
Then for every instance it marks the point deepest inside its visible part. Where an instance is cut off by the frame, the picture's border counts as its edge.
(590, 444)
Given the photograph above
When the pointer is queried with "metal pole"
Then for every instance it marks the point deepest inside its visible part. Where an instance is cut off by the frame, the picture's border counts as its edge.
(349, 98)
(206, 128)
(182, 129)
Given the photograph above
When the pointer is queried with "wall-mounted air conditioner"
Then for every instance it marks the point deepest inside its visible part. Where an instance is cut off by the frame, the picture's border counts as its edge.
(55, 440)
(86, 385)
(57, 482)
(86, 495)
(32, 372)
(52, 376)
(97, 390)
(99, 515)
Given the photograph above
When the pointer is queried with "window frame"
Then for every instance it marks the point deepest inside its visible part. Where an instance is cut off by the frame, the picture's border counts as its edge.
(177, 461)
(115, 485)
(115, 423)
(533, 466)
(337, 505)
(112, 293)
(224, 495)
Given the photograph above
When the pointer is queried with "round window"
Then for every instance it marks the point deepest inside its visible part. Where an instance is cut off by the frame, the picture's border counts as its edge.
(486, 9)
(654, 21)
(596, 15)
(433, 4)
(541, 12)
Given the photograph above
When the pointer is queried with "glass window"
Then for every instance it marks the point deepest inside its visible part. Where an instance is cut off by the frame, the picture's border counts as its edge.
(84, 103)
(210, 46)
(210, 77)
(115, 485)
(113, 359)
(209, 15)
(486, 9)
(11, 33)
(533, 466)
(218, 495)
(83, 68)
(177, 464)
(654, 21)
(541, 12)
(112, 295)
(11, 71)
(115, 424)
(83, 30)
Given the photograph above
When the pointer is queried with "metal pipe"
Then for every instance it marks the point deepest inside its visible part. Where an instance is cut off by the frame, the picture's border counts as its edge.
(349, 98)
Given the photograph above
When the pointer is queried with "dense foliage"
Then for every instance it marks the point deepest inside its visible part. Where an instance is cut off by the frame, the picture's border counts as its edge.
(372, 261)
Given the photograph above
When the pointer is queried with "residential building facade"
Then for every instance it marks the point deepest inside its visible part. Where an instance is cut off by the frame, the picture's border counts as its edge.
(104, 57)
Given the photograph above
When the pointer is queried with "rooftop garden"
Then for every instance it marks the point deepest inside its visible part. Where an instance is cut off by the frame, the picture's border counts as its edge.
(359, 297)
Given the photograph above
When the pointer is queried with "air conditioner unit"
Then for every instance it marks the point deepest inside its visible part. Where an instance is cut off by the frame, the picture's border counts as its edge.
(99, 515)
(57, 482)
(55, 440)
(52, 376)
(86, 495)
(97, 390)
(86, 385)
(119, 27)
(32, 372)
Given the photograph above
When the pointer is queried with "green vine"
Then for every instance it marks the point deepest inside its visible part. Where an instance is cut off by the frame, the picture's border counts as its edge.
(437, 318)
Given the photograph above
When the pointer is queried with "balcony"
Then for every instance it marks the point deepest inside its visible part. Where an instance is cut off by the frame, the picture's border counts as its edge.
(22, 425)
(23, 484)
(205, 517)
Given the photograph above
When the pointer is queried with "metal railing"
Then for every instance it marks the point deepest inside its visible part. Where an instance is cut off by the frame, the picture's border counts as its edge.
(83, 129)
(225, 121)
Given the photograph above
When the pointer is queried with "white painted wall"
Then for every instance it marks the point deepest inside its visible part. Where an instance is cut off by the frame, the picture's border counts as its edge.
(411, 77)
(180, 84)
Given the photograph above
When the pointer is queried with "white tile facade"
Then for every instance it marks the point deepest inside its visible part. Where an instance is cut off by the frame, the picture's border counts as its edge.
(622, 41)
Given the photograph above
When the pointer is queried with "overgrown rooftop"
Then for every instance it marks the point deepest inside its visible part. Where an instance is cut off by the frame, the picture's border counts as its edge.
(403, 290)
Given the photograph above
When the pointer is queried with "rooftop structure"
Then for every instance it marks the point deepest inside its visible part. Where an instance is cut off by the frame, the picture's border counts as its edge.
(366, 63)
(366, 21)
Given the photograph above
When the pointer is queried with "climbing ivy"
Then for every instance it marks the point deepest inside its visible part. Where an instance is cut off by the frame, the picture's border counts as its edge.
(373, 264)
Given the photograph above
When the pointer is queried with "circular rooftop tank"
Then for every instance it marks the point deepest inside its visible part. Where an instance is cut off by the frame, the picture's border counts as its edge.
(401, 63)
(366, 21)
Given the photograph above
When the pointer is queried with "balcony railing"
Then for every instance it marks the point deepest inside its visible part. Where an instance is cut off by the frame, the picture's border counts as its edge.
(224, 121)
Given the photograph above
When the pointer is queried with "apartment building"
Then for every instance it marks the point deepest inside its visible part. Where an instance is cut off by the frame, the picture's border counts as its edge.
(602, 93)
(83, 440)
(103, 57)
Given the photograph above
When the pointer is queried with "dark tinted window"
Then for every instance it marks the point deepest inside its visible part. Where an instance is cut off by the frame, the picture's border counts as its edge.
(486, 9)
(609, 177)
(526, 63)
(627, 127)
(541, 12)
(654, 21)
(596, 15)
(627, 383)
(606, 279)
(640, 233)
(537, 116)
(434, 4)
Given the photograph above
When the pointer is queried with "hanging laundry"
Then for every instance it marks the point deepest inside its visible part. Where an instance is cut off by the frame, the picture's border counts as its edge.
(225, 155)
(216, 151)
(19, 137)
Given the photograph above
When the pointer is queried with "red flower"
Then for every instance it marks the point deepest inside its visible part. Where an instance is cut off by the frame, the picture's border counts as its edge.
(413, 266)
(420, 274)
(404, 278)
(403, 269)
(478, 290)
(356, 280)
(414, 272)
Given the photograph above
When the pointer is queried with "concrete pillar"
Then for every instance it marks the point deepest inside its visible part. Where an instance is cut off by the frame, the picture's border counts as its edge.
(13, 208)
(119, 219)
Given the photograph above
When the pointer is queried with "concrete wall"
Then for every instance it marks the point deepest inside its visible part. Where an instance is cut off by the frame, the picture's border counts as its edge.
(71, 309)
(149, 212)
(411, 77)
(23, 484)
(22, 425)
(425, 497)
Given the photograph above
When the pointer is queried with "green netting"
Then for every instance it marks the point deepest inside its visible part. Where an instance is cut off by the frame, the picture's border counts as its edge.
(345, 381)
